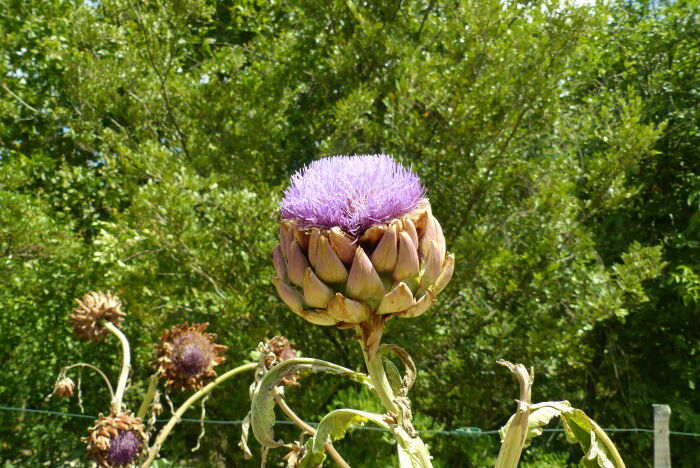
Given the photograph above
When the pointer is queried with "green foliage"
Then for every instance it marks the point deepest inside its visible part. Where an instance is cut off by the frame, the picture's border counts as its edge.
(143, 147)
(334, 425)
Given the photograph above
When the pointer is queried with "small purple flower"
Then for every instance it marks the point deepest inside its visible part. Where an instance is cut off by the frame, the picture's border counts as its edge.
(351, 192)
(123, 448)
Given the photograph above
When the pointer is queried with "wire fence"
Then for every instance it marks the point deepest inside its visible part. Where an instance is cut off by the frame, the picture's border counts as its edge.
(458, 432)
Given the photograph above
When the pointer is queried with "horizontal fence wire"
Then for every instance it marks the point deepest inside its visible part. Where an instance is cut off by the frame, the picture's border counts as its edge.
(461, 431)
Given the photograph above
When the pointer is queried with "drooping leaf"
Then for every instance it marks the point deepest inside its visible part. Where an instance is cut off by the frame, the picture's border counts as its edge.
(335, 425)
(580, 429)
(541, 414)
(263, 405)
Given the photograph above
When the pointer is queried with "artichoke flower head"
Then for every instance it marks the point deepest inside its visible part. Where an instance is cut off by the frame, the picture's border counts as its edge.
(116, 440)
(92, 309)
(186, 356)
(359, 245)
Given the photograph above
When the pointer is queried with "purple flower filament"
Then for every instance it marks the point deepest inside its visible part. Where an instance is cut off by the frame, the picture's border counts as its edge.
(351, 192)
(123, 448)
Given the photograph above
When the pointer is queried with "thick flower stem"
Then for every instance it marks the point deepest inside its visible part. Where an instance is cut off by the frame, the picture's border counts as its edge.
(377, 374)
(148, 398)
(512, 446)
(412, 451)
(206, 390)
(126, 366)
(375, 368)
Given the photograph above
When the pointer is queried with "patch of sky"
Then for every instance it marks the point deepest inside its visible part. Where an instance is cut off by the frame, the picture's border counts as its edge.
(100, 160)
(17, 73)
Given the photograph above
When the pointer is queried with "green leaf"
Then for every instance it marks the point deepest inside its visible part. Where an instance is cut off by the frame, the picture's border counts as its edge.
(263, 405)
(541, 414)
(579, 428)
(392, 374)
(335, 425)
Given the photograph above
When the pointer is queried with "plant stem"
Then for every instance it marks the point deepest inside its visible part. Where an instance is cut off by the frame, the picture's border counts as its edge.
(305, 427)
(377, 374)
(411, 450)
(617, 459)
(207, 389)
(126, 366)
(148, 398)
(512, 445)
(90, 366)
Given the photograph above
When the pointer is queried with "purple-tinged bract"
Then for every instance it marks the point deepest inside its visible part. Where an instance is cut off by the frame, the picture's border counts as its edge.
(351, 192)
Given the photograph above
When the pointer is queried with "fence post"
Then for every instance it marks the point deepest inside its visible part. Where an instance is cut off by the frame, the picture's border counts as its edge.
(662, 446)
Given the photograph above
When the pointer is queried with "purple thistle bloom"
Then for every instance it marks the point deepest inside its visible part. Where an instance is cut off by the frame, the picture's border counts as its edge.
(351, 192)
(123, 448)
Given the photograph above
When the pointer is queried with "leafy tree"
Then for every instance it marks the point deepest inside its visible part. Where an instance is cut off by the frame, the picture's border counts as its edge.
(143, 147)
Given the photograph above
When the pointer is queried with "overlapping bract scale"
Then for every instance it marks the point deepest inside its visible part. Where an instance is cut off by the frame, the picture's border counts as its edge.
(330, 277)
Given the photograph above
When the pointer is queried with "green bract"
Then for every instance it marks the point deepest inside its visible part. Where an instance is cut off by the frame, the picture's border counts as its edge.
(329, 277)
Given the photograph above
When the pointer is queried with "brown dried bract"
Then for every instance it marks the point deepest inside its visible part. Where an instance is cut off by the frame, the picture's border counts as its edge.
(92, 309)
(186, 356)
(105, 430)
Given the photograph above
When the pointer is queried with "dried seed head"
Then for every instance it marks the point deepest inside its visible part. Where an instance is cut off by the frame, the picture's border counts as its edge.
(64, 387)
(187, 356)
(92, 309)
(116, 440)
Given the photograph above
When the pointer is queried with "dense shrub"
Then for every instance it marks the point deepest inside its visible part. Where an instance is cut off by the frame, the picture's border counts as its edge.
(143, 147)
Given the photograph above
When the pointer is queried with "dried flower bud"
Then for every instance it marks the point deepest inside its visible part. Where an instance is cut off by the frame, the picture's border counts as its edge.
(277, 350)
(116, 440)
(92, 309)
(296, 452)
(64, 387)
(157, 408)
(187, 356)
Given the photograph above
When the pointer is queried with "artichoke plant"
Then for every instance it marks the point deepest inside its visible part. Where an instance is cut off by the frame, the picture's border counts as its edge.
(92, 309)
(116, 440)
(359, 245)
(187, 356)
